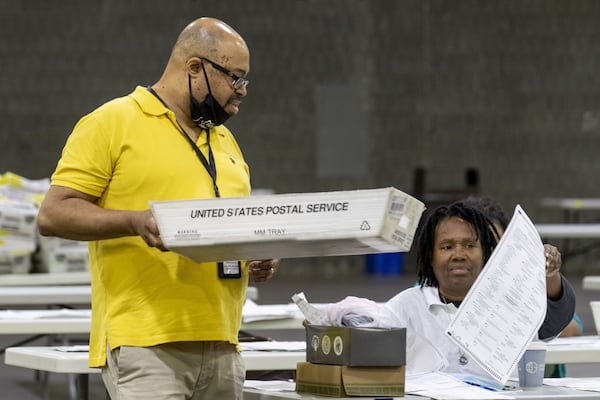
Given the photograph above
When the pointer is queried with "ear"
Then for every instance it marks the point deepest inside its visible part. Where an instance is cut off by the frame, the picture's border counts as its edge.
(194, 66)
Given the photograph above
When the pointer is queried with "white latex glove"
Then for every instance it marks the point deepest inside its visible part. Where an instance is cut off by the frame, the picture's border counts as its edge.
(353, 311)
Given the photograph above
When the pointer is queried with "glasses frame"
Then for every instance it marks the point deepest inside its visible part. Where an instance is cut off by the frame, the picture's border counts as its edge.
(238, 81)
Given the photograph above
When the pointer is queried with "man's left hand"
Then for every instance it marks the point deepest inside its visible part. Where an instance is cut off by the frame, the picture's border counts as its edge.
(262, 270)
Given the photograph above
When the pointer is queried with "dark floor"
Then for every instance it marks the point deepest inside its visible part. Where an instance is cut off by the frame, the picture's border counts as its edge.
(19, 383)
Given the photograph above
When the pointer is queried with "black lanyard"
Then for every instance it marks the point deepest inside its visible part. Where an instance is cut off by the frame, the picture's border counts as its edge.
(209, 165)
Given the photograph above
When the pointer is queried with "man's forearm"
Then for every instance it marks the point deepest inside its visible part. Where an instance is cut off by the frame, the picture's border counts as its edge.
(79, 219)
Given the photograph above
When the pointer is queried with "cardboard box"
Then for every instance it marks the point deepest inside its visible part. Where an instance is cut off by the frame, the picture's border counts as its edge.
(16, 254)
(290, 225)
(18, 218)
(64, 259)
(15, 262)
(355, 347)
(53, 242)
(342, 381)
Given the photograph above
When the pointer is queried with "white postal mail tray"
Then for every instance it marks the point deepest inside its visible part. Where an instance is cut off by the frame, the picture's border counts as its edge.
(289, 225)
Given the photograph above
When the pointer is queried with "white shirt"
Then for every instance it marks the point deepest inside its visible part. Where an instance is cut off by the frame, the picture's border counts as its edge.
(426, 318)
(420, 310)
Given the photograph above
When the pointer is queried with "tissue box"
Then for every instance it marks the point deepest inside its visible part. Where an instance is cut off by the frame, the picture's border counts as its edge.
(355, 346)
(289, 225)
(342, 381)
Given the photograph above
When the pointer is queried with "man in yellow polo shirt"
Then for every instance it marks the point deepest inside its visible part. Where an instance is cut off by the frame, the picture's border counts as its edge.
(162, 325)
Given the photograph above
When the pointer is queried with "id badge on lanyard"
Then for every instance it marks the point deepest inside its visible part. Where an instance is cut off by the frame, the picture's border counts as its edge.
(230, 269)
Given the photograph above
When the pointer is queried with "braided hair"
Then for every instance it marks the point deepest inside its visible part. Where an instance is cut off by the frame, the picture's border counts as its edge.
(490, 208)
(426, 238)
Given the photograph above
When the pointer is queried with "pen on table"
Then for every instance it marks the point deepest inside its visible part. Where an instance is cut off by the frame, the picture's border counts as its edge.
(481, 386)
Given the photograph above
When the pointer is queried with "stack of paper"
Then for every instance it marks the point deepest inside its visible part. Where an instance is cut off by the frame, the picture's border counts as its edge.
(253, 312)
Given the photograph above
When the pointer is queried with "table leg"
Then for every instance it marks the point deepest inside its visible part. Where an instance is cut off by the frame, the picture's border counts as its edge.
(82, 387)
(44, 382)
(73, 389)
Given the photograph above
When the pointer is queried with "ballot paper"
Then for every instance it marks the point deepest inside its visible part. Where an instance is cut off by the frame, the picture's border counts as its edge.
(438, 385)
(589, 384)
(252, 312)
(274, 345)
(271, 385)
(506, 305)
(82, 348)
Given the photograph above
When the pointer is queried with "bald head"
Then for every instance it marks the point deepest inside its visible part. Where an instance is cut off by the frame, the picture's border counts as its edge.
(206, 37)
(201, 45)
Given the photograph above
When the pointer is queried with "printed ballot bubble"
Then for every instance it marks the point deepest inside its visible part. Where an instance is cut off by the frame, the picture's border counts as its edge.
(532, 365)
(595, 306)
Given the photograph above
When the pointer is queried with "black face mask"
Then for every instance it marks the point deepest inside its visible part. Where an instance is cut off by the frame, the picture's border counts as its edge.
(208, 113)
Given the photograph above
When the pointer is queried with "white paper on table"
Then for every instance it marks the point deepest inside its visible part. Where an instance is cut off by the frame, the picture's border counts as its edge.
(44, 314)
(271, 386)
(506, 305)
(590, 384)
(274, 345)
(438, 385)
(83, 348)
(575, 341)
(252, 312)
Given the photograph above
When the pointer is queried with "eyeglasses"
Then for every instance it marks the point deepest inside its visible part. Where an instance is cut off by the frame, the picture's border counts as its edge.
(238, 81)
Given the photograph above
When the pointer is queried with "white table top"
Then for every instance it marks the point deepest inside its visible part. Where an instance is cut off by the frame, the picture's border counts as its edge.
(591, 282)
(575, 349)
(255, 394)
(31, 322)
(545, 392)
(578, 349)
(282, 323)
(45, 295)
(48, 358)
(46, 279)
(581, 231)
(34, 322)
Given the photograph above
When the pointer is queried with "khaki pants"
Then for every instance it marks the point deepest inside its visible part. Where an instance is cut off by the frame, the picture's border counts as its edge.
(175, 371)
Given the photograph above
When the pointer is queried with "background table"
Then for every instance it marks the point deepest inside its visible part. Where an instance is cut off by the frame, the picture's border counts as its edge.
(569, 231)
(38, 294)
(545, 392)
(572, 203)
(572, 208)
(34, 322)
(45, 295)
(49, 359)
(46, 279)
(591, 282)
(574, 349)
(55, 321)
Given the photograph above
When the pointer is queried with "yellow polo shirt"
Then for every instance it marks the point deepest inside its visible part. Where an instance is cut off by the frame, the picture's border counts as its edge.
(128, 152)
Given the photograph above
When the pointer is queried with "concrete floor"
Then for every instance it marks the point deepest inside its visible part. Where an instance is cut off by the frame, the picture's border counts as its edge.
(20, 384)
